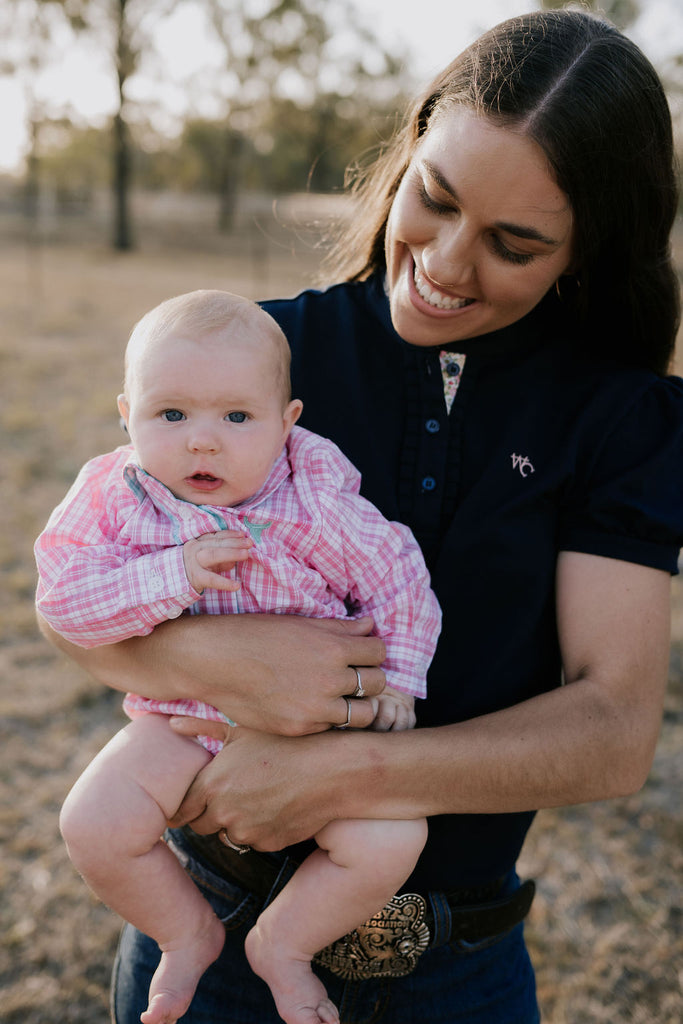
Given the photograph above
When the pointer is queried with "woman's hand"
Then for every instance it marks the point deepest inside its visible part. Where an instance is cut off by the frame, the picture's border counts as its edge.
(296, 672)
(266, 791)
(277, 673)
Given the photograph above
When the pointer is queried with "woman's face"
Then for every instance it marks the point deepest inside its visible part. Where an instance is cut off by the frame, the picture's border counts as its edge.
(477, 234)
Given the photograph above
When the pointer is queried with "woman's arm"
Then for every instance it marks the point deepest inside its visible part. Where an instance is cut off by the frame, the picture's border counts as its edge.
(277, 673)
(592, 739)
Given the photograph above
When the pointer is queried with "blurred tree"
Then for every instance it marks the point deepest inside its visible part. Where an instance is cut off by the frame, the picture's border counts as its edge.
(125, 28)
(30, 30)
(313, 59)
(27, 39)
(76, 162)
(293, 148)
(311, 146)
(289, 49)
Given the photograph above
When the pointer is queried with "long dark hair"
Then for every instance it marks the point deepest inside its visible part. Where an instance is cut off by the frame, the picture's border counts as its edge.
(594, 103)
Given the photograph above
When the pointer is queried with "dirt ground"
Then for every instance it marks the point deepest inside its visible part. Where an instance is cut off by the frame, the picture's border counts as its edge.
(606, 929)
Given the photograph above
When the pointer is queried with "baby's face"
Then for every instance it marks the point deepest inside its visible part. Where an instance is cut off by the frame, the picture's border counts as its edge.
(207, 418)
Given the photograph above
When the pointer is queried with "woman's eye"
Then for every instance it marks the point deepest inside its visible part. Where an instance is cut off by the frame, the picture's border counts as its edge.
(431, 204)
(172, 415)
(237, 417)
(509, 255)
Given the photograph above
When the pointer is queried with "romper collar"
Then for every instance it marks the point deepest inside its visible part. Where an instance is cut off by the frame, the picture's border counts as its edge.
(143, 484)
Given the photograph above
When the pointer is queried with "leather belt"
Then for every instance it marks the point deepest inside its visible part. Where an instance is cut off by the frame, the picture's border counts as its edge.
(391, 942)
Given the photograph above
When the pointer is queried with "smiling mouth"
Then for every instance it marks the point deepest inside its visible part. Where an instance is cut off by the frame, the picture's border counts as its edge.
(436, 299)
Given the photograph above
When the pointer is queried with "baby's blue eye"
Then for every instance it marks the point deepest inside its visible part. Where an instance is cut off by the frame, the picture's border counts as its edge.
(172, 415)
(236, 417)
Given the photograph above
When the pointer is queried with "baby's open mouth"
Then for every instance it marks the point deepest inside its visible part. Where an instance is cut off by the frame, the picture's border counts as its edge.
(205, 481)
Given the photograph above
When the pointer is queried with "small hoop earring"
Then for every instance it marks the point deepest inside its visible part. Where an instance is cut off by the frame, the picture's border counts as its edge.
(577, 285)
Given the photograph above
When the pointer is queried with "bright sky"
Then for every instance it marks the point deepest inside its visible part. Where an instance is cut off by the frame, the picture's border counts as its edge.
(432, 31)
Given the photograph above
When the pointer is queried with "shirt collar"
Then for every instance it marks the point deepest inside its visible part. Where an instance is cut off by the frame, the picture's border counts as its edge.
(142, 484)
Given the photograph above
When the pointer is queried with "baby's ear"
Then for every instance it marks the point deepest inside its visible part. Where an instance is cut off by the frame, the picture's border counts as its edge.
(292, 413)
(124, 409)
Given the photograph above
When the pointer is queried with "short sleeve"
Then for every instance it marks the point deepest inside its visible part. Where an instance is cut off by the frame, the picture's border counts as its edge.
(628, 501)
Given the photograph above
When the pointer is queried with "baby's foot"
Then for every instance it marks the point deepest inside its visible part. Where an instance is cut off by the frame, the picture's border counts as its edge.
(300, 996)
(177, 976)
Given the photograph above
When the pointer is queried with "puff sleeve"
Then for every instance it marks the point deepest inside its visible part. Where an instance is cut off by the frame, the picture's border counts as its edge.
(627, 501)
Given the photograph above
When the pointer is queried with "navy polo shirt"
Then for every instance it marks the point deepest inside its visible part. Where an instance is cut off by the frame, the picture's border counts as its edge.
(544, 449)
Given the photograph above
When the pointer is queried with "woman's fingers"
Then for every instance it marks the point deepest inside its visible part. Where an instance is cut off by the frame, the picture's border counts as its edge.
(252, 789)
(356, 712)
(185, 725)
(371, 680)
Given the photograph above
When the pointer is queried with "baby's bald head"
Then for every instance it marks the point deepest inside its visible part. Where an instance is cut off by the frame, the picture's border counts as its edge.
(211, 314)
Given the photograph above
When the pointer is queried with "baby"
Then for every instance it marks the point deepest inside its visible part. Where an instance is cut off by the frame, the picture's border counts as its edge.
(221, 505)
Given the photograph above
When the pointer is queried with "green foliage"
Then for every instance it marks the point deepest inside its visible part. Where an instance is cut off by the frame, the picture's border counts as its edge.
(293, 149)
(76, 161)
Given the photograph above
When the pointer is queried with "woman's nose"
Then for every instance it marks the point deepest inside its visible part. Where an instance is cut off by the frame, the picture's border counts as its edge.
(450, 259)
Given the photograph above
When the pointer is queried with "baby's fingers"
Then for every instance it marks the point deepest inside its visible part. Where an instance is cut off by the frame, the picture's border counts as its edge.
(220, 557)
(393, 715)
(215, 581)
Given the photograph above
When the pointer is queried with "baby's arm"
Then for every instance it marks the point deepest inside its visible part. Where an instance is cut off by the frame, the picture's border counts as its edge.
(102, 593)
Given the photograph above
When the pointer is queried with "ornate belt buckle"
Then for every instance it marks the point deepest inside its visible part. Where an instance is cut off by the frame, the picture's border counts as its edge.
(387, 946)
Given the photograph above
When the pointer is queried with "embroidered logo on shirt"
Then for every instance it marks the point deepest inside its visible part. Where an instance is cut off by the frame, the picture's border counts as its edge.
(256, 529)
(521, 462)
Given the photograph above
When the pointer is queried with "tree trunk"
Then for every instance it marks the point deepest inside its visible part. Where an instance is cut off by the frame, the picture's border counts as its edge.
(121, 154)
(230, 179)
(122, 239)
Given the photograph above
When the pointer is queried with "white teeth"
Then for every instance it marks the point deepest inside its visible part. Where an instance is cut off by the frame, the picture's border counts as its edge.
(436, 299)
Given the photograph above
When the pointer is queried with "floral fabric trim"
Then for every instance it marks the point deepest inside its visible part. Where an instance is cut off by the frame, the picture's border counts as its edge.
(452, 366)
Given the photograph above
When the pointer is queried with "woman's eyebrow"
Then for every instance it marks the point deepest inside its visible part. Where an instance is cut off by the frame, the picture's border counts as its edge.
(519, 230)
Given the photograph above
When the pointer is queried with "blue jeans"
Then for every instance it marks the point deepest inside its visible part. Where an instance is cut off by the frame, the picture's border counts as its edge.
(490, 982)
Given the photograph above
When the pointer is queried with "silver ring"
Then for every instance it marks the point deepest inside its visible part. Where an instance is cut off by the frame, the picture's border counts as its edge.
(227, 841)
(359, 691)
(347, 723)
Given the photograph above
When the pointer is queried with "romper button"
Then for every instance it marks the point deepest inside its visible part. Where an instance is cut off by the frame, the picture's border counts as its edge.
(428, 483)
(433, 426)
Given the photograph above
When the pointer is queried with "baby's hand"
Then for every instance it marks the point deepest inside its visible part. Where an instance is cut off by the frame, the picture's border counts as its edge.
(205, 555)
(396, 711)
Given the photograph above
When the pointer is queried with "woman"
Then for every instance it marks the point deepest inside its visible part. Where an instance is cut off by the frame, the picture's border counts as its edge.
(494, 362)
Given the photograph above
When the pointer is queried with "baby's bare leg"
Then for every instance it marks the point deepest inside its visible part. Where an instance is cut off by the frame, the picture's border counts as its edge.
(358, 867)
(112, 822)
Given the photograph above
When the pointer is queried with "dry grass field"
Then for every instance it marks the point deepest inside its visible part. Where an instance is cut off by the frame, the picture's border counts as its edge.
(607, 927)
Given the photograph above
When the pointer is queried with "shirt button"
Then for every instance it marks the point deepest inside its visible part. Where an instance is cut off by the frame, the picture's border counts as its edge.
(433, 426)
(452, 370)
(428, 483)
